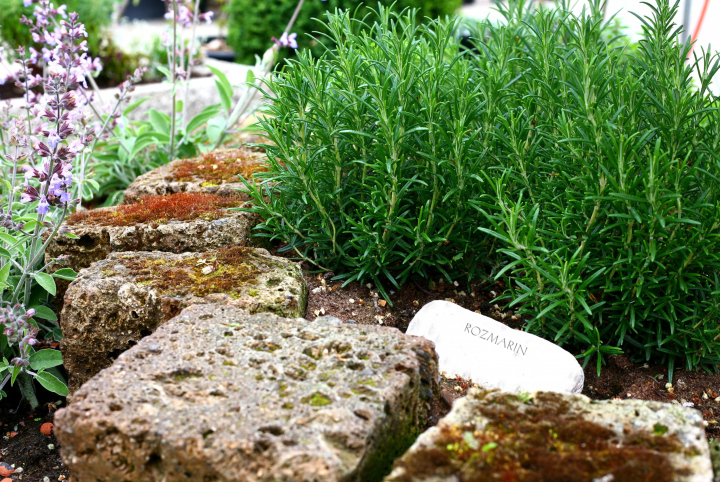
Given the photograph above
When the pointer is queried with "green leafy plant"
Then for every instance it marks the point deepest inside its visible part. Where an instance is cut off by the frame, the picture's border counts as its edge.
(592, 164)
(605, 183)
(375, 152)
(249, 21)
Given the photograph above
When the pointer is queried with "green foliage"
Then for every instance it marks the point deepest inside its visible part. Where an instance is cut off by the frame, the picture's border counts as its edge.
(251, 23)
(593, 165)
(376, 152)
(606, 198)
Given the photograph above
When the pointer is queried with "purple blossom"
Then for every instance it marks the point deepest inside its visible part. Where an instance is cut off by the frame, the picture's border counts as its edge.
(287, 40)
(43, 206)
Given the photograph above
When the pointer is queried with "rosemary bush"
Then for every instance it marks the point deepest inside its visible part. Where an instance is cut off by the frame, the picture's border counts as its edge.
(585, 166)
(605, 183)
(250, 21)
(375, 151)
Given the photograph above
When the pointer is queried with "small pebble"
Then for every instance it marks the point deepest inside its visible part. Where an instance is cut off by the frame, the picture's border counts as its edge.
(51, 446)
(46, 479)
(458, 389)
(351, 301)
(351, 321)
(456, 283)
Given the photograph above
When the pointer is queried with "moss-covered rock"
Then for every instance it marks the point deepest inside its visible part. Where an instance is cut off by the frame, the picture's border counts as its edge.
(216, 394)
(178, 223)
(217, 172)
(119, 300)
(491, 435)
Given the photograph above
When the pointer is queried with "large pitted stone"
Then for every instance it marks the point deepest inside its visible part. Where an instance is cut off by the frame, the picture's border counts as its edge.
(215, 173)
(117, 301)
(494, 355)
(218, 395)
(99, 233)
(491, 435)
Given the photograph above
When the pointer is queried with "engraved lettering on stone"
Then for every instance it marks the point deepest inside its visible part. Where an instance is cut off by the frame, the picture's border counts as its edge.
(492, 338)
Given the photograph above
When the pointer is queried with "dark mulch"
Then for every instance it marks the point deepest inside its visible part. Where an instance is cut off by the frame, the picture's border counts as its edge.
(23, 447)
(358, 303)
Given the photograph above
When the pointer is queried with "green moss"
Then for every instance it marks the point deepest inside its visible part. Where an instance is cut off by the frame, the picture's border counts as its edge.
(369, 381)
(233, 269)
(288, 406)
(316, 400)
(253, 292)
(309, 366)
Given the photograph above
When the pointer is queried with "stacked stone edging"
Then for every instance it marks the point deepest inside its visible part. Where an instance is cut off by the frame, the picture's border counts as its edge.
(96, 242)
(216, 394)
(115, 302)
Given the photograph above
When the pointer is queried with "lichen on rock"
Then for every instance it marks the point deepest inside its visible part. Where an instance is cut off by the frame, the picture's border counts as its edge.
(119, 300)
(216, 172)
(217, 394)
(491, 435)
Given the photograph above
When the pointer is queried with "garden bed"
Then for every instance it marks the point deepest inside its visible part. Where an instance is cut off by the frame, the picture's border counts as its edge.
(620, 378)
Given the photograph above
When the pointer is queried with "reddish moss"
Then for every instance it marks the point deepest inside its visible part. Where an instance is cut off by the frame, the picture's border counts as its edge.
(225, 270)
(181, 206)
(542, 443)
(218, 166)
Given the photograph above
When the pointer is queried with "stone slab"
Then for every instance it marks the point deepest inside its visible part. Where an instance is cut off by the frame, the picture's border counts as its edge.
(119, 300)
(216, 394)
(494, 355)
(491, 435)
(95, 242)
(197, 175)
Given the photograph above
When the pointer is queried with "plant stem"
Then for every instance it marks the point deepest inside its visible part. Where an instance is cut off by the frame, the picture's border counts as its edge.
(173, 80)
(190, 63)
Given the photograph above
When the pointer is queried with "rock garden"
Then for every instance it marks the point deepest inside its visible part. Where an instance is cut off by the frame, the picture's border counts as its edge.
(405, 246)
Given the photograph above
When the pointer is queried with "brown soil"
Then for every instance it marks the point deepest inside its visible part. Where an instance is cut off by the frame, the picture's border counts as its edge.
(218, 167)
(180, 206)
(24, 446)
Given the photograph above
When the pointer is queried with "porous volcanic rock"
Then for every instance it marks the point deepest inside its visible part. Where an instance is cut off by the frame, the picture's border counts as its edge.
(216, 394)
(492, 435)
(213, 173)
(97, 236)
(117, 301)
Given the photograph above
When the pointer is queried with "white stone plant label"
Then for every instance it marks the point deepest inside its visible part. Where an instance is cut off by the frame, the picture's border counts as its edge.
(494, 355)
